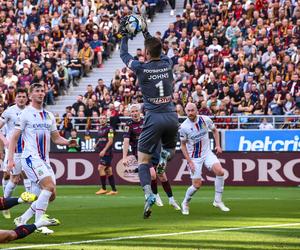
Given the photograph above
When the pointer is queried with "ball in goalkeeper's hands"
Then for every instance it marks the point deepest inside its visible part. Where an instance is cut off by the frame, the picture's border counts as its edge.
(135, 24)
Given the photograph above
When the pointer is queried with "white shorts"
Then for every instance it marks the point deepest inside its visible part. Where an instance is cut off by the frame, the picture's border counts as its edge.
(18, 165)
(37, 169)
(208, 160)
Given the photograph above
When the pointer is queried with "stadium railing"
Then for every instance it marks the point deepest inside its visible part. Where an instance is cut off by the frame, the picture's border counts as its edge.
(222, 122)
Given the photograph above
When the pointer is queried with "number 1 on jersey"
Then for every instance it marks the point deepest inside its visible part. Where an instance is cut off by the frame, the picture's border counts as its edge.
(160, 85)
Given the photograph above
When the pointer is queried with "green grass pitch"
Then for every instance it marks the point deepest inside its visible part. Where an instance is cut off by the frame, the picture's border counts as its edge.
(85, 216)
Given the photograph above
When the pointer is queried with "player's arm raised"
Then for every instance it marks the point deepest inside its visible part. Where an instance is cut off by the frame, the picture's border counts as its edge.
(11, 148)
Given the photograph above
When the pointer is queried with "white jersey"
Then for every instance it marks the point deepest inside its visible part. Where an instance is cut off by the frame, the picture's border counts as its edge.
(196, 136)
(36, 126)
(10, 117)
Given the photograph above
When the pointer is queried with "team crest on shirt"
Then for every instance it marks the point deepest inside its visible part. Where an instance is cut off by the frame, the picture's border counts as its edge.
(40, 172)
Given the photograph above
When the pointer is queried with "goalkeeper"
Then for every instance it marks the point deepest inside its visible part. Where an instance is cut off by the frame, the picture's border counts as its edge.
(155, 79)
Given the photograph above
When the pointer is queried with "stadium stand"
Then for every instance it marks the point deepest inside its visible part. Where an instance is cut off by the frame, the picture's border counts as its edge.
(232, 58)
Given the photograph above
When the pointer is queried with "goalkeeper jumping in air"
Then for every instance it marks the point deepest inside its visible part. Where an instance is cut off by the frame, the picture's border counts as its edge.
(155, 79)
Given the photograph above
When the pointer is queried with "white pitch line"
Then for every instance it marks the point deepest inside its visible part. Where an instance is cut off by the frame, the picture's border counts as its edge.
(154, 235)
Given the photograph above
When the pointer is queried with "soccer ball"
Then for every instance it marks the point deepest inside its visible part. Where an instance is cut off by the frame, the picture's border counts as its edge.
(135, 24)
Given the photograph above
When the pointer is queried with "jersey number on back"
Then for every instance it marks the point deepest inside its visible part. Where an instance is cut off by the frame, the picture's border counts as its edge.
(160, 85)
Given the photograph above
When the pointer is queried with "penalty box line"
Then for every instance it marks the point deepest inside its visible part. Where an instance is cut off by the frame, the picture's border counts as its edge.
(154, 235)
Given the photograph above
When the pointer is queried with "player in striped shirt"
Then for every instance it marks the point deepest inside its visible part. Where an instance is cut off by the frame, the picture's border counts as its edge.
(8, 119)
(195, 146)
(37, 126)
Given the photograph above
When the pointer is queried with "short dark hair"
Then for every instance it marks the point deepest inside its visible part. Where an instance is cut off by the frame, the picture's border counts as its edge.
(153, 45)
(35, 85)
(21, 90)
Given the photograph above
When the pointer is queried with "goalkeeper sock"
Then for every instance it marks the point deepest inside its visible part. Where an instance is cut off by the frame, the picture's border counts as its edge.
(219, 187)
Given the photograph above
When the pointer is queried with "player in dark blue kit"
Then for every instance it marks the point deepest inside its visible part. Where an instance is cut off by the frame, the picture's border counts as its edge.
(104, 146)
(155, 79)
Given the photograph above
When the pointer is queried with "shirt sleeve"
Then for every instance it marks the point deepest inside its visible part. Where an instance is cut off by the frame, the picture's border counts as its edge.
(209, 123)
(182, 134)
(126, 57)
(53, 123)
(4, 116)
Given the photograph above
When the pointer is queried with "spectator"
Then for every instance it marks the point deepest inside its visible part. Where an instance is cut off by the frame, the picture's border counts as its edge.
(86, 56)
(75, 146)
(265, 125)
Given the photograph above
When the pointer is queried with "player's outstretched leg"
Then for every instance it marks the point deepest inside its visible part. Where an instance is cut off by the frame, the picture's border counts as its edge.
(30, 212)
(6, 203)
(219, 187)
(25, 230)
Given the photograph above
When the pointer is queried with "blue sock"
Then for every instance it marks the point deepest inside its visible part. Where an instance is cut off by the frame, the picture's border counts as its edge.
(6, 203)
(24, 230)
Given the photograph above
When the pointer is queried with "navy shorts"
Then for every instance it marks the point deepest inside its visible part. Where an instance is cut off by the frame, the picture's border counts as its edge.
(105, 160)
(158, 127)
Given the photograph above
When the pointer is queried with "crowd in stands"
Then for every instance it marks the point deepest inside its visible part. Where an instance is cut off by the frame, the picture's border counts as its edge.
(230, 58)
(56, 42)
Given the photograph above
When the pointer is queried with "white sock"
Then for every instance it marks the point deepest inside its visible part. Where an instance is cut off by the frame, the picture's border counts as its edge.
(35, 188)
(189, 193)
(219, 188)
(42, 204)
(27, 185)
(171, 199)
(29, 213)
(4, 183)
(10, 187)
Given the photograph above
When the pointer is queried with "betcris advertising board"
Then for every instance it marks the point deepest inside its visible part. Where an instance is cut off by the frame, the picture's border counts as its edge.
(262, 140)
